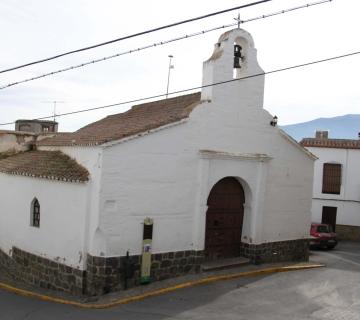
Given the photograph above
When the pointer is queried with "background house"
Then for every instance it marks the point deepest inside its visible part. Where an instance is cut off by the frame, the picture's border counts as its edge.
(26, 133)
(212, 170)
(36, 126)
(336, 192)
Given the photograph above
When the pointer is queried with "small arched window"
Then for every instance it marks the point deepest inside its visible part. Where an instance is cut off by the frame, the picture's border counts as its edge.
(35, 213)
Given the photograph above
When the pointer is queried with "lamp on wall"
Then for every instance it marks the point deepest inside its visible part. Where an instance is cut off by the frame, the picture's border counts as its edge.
(274, 121)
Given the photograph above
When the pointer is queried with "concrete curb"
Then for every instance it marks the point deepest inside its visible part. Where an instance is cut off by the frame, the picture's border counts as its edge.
(26, 293)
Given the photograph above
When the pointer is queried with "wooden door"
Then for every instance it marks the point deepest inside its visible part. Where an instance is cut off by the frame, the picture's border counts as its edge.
(329, 216)
(224, 219)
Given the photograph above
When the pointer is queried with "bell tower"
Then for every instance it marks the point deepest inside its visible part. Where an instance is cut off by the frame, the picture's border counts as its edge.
(234, 57)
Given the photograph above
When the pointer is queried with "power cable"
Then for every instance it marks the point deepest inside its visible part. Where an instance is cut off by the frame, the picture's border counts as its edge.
(134, 35)
(160, 44)
(198, 87)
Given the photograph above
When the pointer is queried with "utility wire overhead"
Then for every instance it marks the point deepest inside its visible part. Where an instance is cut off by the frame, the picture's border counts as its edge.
(198, 87)
(134, 35)
(187, 36)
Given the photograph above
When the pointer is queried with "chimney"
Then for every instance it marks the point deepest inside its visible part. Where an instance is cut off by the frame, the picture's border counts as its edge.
(321, 134)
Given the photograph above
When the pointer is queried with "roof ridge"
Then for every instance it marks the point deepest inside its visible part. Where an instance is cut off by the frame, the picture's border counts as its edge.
(140, 118)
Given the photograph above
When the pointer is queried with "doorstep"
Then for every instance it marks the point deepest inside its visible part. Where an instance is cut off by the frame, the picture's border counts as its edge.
(224, 264)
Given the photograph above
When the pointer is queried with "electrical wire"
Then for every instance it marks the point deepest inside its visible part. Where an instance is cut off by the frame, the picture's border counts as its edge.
(187, 36)
(134, 35)
(196, 88)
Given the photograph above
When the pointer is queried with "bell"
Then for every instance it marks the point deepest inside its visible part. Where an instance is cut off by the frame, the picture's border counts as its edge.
(237, 63)
(237, 56)
(237, 51)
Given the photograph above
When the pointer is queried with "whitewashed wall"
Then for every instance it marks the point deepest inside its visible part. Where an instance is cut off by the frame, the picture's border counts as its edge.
(165, 176)
(62, 218)
(91, 159)
(348, 201)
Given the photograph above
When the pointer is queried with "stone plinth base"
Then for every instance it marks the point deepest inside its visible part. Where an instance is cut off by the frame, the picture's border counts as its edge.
(345, 232)
(291, 250)
(106, 274)
(42, 272)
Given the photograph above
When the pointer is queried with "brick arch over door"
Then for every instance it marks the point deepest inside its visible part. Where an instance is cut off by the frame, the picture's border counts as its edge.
(224, 219)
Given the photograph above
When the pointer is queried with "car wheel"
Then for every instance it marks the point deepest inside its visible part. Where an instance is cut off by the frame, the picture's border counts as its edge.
(330, 247)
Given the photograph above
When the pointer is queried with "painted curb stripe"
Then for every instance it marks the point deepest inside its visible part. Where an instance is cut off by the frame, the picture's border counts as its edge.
(184, 285)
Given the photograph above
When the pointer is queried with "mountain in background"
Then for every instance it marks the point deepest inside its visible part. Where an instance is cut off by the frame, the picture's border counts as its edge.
(342, 127)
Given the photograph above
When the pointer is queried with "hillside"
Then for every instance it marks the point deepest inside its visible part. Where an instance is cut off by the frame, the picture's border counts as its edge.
(345, 127)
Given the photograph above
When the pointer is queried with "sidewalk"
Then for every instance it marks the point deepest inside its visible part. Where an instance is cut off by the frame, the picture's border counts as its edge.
(152, 289)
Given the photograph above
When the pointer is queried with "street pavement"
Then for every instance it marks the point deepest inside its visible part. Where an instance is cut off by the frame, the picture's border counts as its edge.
(331, 293)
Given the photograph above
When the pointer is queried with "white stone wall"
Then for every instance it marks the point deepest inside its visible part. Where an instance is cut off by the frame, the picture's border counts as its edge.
(62, 218)
(164, 176)
(91, 159)
(348, 201)
(167, 174)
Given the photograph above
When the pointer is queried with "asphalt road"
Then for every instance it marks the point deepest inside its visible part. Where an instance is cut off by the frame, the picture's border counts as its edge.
(331, 293)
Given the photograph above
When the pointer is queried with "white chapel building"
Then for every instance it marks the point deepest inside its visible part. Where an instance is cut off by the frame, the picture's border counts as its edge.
(211, 169)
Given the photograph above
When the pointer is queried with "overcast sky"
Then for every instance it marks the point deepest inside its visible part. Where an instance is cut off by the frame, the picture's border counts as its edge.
(35, 29)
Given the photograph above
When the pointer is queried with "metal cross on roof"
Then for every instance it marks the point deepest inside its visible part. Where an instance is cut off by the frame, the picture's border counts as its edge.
(238, 20)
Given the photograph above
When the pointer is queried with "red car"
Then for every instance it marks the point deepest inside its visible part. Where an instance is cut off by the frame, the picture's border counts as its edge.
(322, 236)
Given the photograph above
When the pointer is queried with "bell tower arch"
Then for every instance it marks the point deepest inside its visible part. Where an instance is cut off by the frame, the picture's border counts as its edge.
(234, 57)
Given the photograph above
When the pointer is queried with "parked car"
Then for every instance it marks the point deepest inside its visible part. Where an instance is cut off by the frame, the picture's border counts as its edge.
(322, 236)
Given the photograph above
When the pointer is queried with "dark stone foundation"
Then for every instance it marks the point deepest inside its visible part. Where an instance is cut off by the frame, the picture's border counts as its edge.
(346, 232)
(291, 250)
(107, 274)
(42, 272)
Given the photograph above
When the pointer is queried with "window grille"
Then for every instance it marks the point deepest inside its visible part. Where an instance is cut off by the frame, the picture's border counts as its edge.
(331, 178)
(35, 213)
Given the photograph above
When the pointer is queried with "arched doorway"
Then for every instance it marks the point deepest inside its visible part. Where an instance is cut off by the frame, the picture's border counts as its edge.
(224, 219)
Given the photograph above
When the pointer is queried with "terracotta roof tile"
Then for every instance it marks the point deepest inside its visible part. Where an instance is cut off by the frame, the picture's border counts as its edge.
(331, 143)
(138, 119)
(53, 165)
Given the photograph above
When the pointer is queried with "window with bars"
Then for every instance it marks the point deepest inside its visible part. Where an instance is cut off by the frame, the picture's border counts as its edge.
(35, 213)
(331, 178)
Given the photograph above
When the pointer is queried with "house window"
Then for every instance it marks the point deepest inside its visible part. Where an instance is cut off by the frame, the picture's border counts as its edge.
(331, 178)
(24, 127)
(35, 213)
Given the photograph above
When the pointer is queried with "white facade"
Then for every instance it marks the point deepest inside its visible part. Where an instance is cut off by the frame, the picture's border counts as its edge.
(63, 209)
(167, 174)
(348, 201)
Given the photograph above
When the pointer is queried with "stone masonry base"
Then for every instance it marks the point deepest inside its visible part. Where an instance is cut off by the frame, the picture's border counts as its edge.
(42, 272)
(291, 250)
(107, 274)
(345, 232)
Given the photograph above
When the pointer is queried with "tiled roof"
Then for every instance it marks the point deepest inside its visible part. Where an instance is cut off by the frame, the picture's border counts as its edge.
(53, 165)
(331, 143)
(138, 119)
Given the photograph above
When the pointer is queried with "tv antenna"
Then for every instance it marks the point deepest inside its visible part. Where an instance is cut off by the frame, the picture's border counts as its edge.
(168, 80)
(55, 102)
